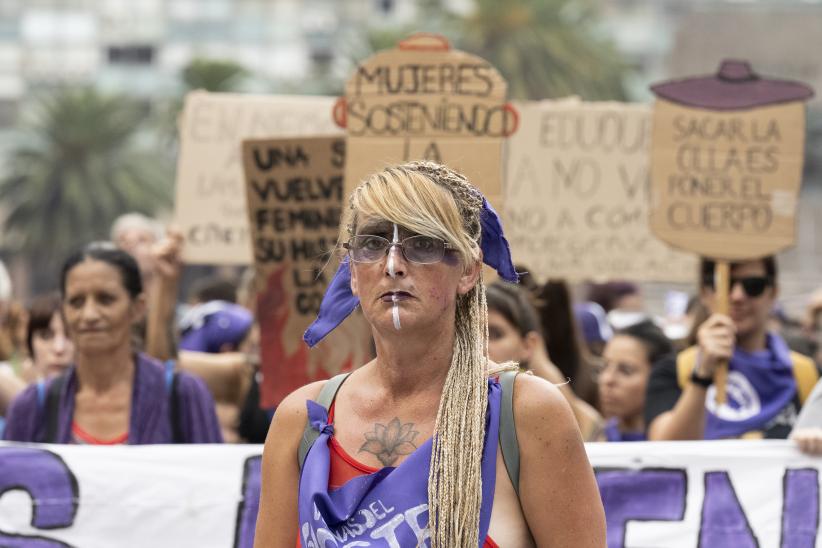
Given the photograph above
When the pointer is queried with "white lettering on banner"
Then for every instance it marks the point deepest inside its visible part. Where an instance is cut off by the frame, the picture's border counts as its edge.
(683, 494)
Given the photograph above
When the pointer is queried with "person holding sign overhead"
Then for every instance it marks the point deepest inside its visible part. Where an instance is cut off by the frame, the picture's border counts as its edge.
(766, 384)
(726, 171)
(408, 449)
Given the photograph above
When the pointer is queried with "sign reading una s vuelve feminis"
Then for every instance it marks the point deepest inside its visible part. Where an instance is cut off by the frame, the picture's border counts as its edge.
(210, 203)
(577, 193)
(727, 162)
(295, 195)
(426, 101)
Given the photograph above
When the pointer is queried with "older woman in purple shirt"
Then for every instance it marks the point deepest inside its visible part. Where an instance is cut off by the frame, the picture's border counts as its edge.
(111, 394)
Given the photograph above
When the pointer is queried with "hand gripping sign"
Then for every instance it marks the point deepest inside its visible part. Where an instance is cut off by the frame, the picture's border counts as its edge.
(425, 101)
(726, 167)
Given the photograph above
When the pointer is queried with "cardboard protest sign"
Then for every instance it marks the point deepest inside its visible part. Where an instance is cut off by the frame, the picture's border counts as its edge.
(727, 169)
(295, 196)
(577, 194)
(727, 163)
(423, 100)
(210, 206)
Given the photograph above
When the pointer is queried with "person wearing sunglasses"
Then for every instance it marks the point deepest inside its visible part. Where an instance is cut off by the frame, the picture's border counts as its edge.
(766, 384)
(406, 450)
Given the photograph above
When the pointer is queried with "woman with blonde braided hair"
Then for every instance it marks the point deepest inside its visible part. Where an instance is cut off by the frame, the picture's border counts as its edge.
(405, 452)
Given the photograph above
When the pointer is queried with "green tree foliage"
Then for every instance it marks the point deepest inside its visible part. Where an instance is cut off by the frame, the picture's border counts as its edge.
(544, 48)
(213, 75)
(75, 170)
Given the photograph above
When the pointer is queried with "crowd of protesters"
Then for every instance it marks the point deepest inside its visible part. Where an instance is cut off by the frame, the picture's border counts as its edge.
(111, 356)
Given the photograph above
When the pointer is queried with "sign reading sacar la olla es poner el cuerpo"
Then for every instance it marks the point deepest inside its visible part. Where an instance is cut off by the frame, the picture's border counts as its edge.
(727, 162)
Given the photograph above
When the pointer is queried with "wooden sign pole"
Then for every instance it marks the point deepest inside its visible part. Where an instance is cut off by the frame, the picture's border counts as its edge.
(722, 285)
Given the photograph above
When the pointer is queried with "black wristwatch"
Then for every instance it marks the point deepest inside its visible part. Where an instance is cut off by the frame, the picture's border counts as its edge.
(704, 382)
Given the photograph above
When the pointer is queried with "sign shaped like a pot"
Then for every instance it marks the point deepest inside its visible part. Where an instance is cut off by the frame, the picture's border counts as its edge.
(726, 164)
(425, 101)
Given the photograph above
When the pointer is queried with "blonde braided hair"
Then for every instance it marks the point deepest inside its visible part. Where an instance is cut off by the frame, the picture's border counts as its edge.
(434, 200)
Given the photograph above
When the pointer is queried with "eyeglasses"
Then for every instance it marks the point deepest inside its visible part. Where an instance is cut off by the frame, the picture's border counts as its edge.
(753, 286)
(417, 249)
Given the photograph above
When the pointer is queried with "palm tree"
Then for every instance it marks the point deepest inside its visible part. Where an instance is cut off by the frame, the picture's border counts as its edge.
(213, 75)
(75, 171)
(543, 48)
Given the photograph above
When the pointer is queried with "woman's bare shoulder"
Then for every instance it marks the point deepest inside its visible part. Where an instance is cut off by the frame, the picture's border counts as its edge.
(293, 406)
(539, 406)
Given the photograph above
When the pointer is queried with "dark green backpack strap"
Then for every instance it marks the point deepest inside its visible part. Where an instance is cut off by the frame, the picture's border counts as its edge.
(507, 429)
(326, 398)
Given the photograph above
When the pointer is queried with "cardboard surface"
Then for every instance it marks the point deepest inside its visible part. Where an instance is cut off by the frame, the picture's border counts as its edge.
(295, 194)
(725, 184)
(210, 206)
(423, 101)
(577, 194)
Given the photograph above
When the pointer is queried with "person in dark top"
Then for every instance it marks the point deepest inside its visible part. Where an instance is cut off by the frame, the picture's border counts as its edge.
(111, 394)
(766, 382)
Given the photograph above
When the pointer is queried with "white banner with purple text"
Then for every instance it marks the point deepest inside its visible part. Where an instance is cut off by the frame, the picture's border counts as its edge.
(677, 494)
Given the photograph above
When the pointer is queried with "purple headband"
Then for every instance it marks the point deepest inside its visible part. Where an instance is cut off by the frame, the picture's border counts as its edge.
(339, 302)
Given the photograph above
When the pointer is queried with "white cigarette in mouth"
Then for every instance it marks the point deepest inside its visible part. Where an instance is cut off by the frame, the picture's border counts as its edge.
(392, 250)
(396, 313)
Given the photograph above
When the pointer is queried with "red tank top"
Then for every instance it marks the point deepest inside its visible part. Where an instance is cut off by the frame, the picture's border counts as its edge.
(345, 467)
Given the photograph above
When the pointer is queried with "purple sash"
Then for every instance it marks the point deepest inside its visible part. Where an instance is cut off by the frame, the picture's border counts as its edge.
(388, 508)
(760, 385)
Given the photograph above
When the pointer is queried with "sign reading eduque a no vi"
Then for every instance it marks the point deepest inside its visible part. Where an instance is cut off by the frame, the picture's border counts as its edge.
(577, 193)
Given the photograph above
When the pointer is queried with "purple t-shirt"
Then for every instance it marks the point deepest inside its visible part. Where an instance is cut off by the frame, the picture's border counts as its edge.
(150, 418)
(613, 433)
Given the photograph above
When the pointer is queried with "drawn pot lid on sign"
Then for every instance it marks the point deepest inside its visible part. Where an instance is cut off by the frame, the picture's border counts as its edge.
(734, 87)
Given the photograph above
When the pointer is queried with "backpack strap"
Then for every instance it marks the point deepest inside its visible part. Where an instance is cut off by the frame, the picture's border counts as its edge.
(507, 429)
(52, 405)
(805, 373)
(326, 398)
(173, 402)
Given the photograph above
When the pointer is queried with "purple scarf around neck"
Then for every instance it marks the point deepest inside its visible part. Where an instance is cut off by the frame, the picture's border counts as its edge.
(388, 508)
(760, 385)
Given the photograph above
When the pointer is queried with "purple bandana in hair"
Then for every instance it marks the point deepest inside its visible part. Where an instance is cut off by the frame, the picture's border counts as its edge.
(389, 507)
(338, 302)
